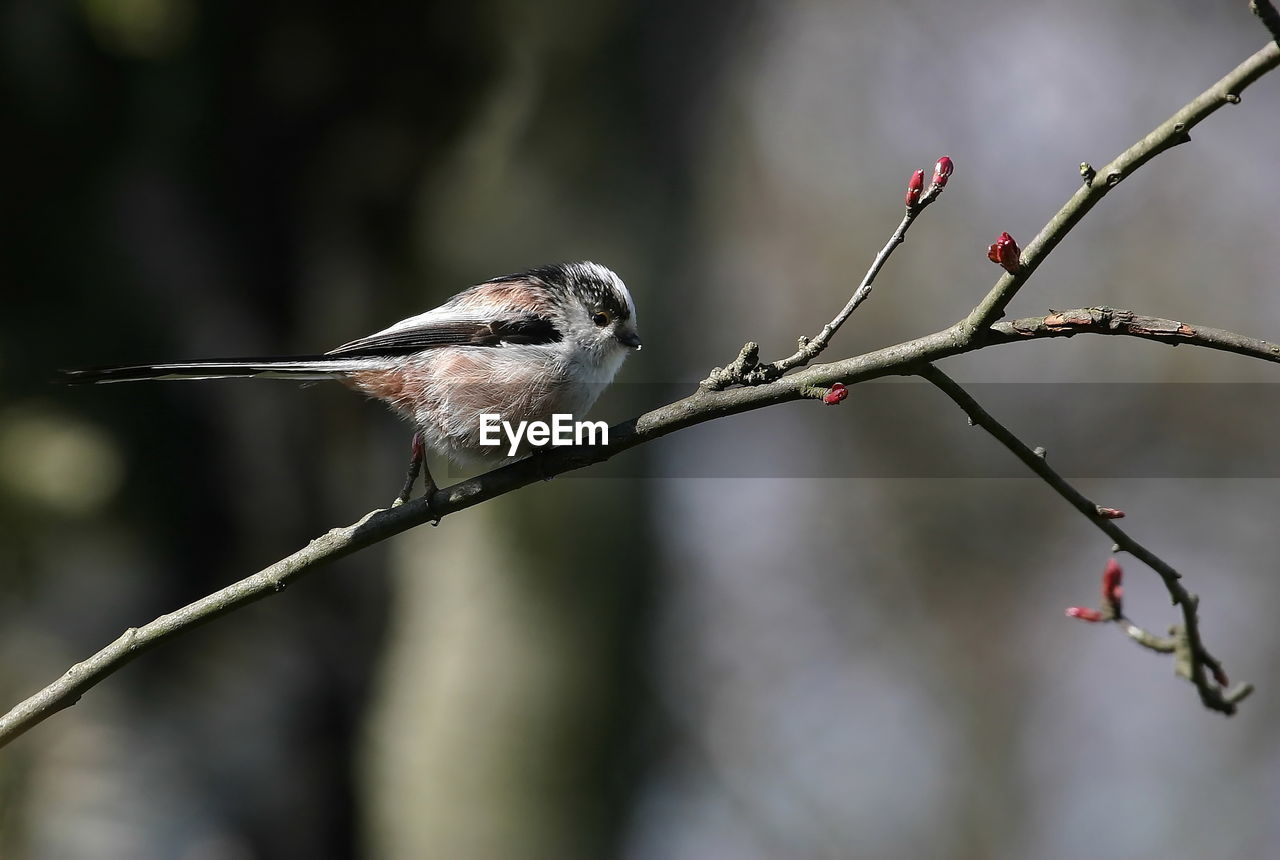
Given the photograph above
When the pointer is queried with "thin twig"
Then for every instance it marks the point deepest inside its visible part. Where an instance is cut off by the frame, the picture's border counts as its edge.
(1149, 640)
(1198, 658)
(746, 369)
(1170, 133)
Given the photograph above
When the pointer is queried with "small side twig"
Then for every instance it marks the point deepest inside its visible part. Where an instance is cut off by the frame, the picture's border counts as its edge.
(747, 370)
(1195, 663)
(1182, 642)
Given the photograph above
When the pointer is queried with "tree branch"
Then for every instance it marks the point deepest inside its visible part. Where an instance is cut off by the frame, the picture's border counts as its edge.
(1097, 183)
(1104, 320)
(746, 369)
(1196, 659)
(698, 408)
(709, 403)
(381, 524)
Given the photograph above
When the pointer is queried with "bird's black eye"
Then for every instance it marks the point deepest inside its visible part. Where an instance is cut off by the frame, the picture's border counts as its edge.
(601, 318)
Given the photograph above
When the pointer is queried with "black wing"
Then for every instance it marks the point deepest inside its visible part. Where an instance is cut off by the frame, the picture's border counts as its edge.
(528, 330)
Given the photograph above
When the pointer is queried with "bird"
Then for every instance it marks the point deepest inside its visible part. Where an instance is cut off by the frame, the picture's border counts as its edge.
(525, 347)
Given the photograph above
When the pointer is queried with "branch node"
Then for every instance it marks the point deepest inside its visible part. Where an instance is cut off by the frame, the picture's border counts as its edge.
(1087, 173)
(723, 377)
(1231, 98)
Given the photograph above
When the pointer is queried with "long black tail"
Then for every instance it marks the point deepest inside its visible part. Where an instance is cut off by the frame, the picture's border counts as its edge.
(296, 367)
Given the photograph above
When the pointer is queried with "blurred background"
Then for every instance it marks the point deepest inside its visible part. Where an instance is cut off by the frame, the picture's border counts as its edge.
(801, 632)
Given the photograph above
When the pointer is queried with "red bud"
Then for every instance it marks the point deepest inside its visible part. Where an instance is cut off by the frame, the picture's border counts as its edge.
(1220, 676)
(914, 187)
(1005, 251)
(1111, 590)
(942, 171)
(1084, 613)
(1110, 513)
(838, 392)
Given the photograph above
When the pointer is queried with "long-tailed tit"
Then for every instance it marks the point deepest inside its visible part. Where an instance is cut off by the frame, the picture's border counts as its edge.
(525, 346)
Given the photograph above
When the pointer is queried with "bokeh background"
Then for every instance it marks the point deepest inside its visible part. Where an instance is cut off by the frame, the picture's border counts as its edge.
(803, 632)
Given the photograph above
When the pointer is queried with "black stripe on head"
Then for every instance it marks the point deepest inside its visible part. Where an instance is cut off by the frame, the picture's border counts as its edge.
(593, 284)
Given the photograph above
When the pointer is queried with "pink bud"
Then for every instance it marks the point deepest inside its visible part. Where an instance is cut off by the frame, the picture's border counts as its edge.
(1084, 613)
(914, 187)
(1111, 590)
(1110, 513)
(1005, 251)
(942, 171)
(1221, 676)
(837, 392)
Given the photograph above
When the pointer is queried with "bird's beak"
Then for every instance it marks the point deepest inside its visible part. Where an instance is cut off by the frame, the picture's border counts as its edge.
(629, 339)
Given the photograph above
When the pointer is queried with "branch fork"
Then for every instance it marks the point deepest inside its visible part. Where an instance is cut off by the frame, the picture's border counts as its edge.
(748, 371)
(746, 384)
